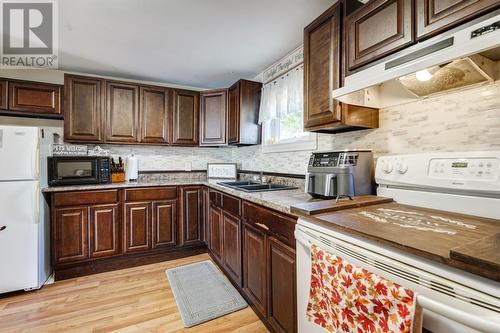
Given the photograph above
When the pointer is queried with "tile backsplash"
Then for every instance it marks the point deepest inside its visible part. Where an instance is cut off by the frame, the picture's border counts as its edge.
(463, 120)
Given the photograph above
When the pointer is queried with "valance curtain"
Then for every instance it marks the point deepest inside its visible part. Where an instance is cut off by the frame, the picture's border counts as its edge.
(283, 96)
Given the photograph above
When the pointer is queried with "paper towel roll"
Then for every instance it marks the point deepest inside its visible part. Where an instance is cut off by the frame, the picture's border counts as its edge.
(132, 168)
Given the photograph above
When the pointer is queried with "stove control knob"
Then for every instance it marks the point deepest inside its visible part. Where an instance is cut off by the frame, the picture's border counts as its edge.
(387, 167)
(402, 167)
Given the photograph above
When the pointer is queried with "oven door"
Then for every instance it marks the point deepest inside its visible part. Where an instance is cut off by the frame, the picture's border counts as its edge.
(73, 170)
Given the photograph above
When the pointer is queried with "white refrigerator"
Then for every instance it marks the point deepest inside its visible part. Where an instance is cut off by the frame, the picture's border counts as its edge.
(24, 214)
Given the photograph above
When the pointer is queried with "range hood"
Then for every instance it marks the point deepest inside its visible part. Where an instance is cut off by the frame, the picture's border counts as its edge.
(458, 59)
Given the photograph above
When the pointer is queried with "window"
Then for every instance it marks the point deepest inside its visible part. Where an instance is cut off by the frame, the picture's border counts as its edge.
(282, 114)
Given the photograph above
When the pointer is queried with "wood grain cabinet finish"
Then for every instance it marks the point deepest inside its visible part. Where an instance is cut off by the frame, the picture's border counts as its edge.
(255, 267)
(213, 117)
(4, 93)
(322, 68)
(282, 302)
(243, 113)
(104, 231)
(35, 97)
(231, 246)
(215, 226)
(137, 227)
(206, 216)
(379, 28)
(70, 234)
(155, 112)
(435, 16)
(192, 214)
(122, 112)
(185, 117)
(164, 221)
(83, 111)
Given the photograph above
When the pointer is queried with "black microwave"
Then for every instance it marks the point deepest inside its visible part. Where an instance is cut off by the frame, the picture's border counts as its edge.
(78, 170)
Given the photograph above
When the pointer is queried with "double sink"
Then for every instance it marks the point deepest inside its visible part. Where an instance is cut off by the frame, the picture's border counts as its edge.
(249, 186)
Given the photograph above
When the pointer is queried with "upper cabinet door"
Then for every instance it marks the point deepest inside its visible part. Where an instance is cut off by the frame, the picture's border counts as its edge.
(234, 113)
(435, 16)
(322, 68)
(35, 97)
(83, 108)
(243, 113)
(155, 111)
(122, 112)
(3, 94)
(213, 115)
(377, 29)
(185, 117)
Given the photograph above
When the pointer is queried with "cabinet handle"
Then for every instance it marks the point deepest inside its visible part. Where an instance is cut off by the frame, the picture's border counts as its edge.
(263, 226)
(2, 228)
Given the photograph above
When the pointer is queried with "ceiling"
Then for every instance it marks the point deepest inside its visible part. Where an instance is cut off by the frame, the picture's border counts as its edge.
(199, 43)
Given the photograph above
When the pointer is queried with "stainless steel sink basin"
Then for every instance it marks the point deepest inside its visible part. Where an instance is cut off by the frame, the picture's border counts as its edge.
(250, 186)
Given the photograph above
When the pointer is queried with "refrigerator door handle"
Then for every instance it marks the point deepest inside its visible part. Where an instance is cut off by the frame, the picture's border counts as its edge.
(36, 204)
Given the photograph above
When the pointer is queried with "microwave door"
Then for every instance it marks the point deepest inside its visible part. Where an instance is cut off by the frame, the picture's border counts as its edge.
(75, 171)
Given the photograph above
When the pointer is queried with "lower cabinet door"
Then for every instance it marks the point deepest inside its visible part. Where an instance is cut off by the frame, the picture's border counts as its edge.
(104, 231)
(282, 305)
(255, 267)
(231, 246)
(164, 223)
(137, 227)
(192, 213)
(71, 234)
(215, 226)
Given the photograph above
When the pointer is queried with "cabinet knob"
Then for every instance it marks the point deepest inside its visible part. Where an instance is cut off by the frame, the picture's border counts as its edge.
(2, 228)
(263, 226)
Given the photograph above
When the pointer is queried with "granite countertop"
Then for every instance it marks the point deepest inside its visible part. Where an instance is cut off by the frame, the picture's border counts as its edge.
(281, 200)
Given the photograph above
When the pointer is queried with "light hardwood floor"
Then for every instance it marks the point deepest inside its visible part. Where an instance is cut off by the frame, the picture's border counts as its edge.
(131, 300)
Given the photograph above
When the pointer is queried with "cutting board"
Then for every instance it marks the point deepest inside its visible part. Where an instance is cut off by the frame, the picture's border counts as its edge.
(325, 206)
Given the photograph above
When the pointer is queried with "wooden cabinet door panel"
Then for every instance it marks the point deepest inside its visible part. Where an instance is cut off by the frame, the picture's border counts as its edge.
(435, 16)
(104, 231)
(231, 246)
(4, 93)
(185, 117)
(377, 29)
(164, 223)
(71, 234)
(213, 114)
(282, 307)
(206, 216)
(137, 227)
(122, 112)
(322, 68)
(215, 223)
(255, 267)
(83, 108)
(34, 97)
(192, 212)
(233, 123)
(154, 113)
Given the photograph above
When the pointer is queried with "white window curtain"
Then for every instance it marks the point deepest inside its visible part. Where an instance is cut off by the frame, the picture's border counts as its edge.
(280, 98)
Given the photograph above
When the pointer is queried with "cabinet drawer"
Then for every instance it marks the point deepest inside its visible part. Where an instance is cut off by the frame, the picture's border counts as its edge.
(85, 198)
(231, 205)
(215, 198)
(143, 194)
(280, 226)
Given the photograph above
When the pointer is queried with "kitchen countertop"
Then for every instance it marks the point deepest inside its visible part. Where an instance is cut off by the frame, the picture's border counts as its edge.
(281, 200)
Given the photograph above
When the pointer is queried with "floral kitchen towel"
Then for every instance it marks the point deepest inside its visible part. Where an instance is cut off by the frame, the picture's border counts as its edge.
(346, 298)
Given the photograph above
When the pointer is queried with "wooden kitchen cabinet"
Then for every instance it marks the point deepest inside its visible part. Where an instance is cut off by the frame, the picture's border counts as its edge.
(206, 215)
(436, 16)
(155, 112)
(104, 231)
(137, 227)
(255, 267)
(192, 214)
(122, 112)
(216, 232)
(185, 117)
(282, 299)
(70, 231)
(4, 93)
(379, 28)
(35, 97)
(231, 246)
(213, 117)
(83, 111)
(243, 113)
(164, 222)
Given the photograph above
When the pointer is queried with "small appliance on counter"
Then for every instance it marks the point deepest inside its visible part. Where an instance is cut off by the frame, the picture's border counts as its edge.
(340, 174)
(78, 170)
(131, 169)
